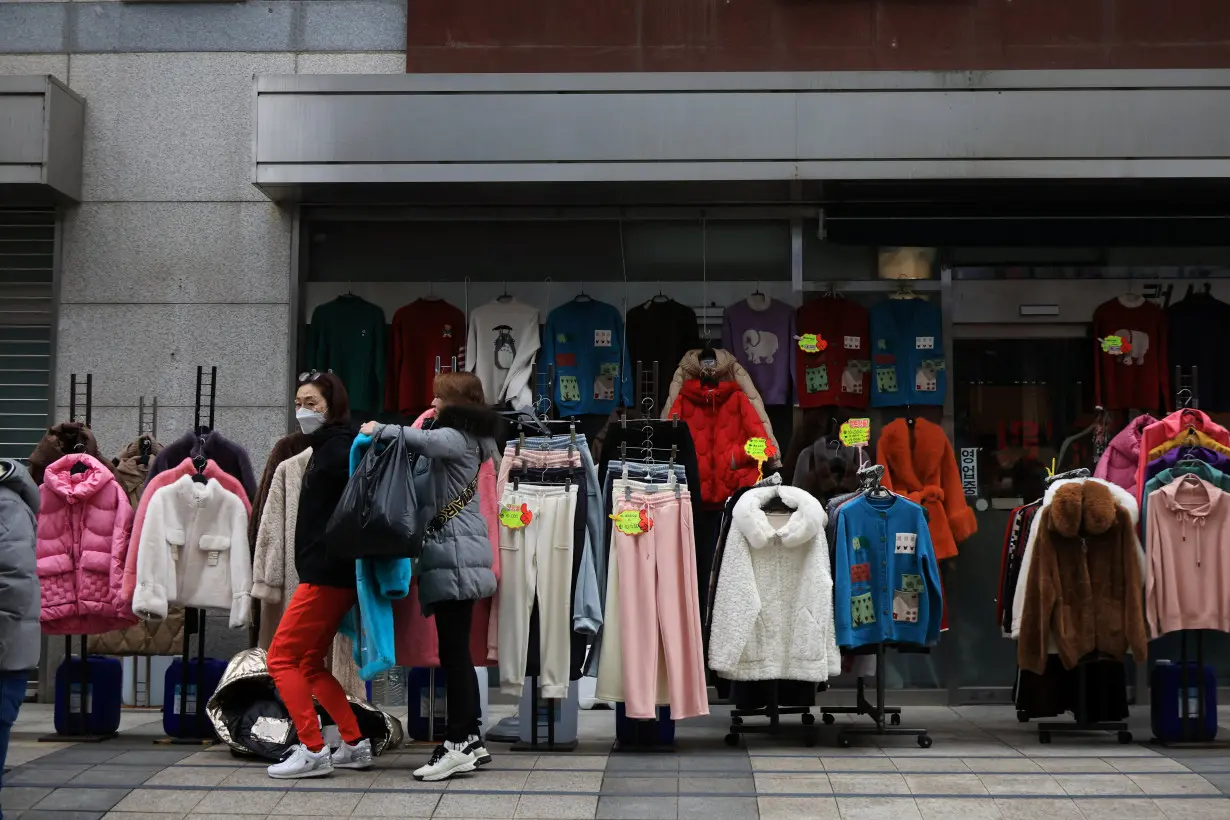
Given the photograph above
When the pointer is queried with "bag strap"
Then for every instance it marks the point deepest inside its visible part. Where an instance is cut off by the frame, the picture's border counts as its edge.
(453, 508)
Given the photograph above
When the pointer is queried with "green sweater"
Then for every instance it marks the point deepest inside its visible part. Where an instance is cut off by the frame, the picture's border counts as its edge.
(347, 336)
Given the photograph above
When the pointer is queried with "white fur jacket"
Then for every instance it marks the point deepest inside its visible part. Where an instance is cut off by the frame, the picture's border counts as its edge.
(1122, 497)
(773, 612)
(194, 552)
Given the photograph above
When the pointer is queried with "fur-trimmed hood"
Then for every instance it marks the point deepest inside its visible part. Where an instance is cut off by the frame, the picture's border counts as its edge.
(807, 519)
(1117, 495)
(925, 471)
(1084, 508)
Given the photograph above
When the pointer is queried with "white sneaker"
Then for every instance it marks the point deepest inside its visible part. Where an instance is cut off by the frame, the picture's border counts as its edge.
(358, 756)
(474, 745)
(447, 760)
(303, 763)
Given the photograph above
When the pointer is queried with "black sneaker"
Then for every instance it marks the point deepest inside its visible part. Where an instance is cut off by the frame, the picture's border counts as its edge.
(474, 746)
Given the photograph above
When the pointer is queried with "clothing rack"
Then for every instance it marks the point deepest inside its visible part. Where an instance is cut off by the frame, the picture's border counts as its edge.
(147, 433)
(81, 395)
(646, 381)
(194, 618)
(870, 477)
(1193, 731)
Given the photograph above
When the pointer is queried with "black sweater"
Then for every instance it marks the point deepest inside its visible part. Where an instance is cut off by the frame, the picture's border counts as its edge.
(327, 473)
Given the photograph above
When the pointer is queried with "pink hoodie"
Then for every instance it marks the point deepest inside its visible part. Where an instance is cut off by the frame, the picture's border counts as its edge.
(1187, 579)
(1122, 456)
(415, 636)
(164, 479)
(83, 524)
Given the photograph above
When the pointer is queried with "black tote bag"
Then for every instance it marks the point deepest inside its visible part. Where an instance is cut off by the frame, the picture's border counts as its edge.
(378, 515)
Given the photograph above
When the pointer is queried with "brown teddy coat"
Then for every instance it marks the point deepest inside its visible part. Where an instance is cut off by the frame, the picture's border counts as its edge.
(1084, 589)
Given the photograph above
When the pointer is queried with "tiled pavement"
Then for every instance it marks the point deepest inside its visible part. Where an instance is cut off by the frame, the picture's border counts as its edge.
(983, 766)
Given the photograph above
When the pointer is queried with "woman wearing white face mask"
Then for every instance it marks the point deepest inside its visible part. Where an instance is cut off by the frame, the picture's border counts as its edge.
(326, 591)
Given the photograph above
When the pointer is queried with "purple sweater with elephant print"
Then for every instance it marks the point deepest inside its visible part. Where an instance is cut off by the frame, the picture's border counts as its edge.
(759, 330)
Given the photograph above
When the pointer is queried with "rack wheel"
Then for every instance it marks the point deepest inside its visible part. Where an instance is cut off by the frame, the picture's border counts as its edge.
(1125, 737)
(732, 739)
(828, 719)
(895, 719)
(843, 742)
(809, 719)
(923, 740)
(736, 720)
(1022, 716)
(1044, 737)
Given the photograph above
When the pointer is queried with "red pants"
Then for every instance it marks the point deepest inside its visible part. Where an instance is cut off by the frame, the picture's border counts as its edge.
(297, 662)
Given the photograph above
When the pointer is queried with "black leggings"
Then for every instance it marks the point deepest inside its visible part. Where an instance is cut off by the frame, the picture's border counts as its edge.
(453, 620)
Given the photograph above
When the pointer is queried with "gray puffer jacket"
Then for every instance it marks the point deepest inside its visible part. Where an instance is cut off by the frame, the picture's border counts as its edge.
(19, 590)
(456, 563)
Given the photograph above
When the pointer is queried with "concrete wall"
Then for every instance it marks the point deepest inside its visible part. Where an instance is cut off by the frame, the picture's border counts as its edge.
(173, 259)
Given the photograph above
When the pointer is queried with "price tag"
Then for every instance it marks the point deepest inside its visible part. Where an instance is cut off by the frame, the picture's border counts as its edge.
(812, 343)
(632, 522)
(855, 432)
(759, 449)
(515, 517)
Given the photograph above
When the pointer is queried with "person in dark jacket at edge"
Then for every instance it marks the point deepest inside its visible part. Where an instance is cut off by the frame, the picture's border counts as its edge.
(326, 592)
(20, 635)
(455, 567)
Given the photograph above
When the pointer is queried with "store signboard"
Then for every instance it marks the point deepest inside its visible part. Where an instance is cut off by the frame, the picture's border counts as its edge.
(969, 470)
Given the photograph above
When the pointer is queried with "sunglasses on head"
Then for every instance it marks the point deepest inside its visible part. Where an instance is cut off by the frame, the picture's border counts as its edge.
(312, 375)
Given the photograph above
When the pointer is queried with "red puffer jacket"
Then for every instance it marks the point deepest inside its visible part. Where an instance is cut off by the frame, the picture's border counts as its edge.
(721, 420)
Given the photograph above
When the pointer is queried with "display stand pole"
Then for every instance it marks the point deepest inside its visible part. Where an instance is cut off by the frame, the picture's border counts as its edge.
(879, 711)
(534, 746)
(78, 725)
(194, 618)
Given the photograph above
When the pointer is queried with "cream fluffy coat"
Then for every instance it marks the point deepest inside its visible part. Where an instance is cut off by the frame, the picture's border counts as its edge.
(773, 612)
(273, 565)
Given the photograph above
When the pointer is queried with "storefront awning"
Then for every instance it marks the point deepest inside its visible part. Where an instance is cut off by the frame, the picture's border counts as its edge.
(42, 125)
(324, 133)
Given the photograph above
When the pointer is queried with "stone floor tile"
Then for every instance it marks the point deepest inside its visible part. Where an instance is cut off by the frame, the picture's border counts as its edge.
(397, 804)
(878, 783)
(717, 808)
(1174, 783)
(642, 763)
(1138, 765)
(1221, 781)
(34, 814)
(1128, 808)
(715, 764)
(931, 765)
(72, 799)
(1206, 763)
(1092, 784)
(495, 806)
(638, 808)
(340, 779)
(798, 808)
(640, 785)
(858, 764)
(142, 815)
(556, 807)
(254, 801)
(1031, 808)
(793, 784)
(564, 781)
(1198, 808)
(944, 784)
(772, 763)
(509, 762)
(44, 774)
(204, 776)
(160, 758)
(878, 808)
(162, 800)
(488, 781)
(298, 802)
(1077, 765)
(731, 784)
(202, 816)
(19, 798)
(958, 808)
(92, 755)
(1037, 785)
(1002, 764)
(117, 777)
(553, 763)
(404, 780)
(211, 759)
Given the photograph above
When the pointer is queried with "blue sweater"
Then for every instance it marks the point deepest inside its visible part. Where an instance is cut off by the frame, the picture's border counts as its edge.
(907, 353)
(585, 341)
(886, 583)
(380, 582)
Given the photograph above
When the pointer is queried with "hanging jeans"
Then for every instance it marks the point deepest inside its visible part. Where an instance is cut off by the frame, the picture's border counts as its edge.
(453, 624)
(297, 662)
(536, 561)
(659, 606)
